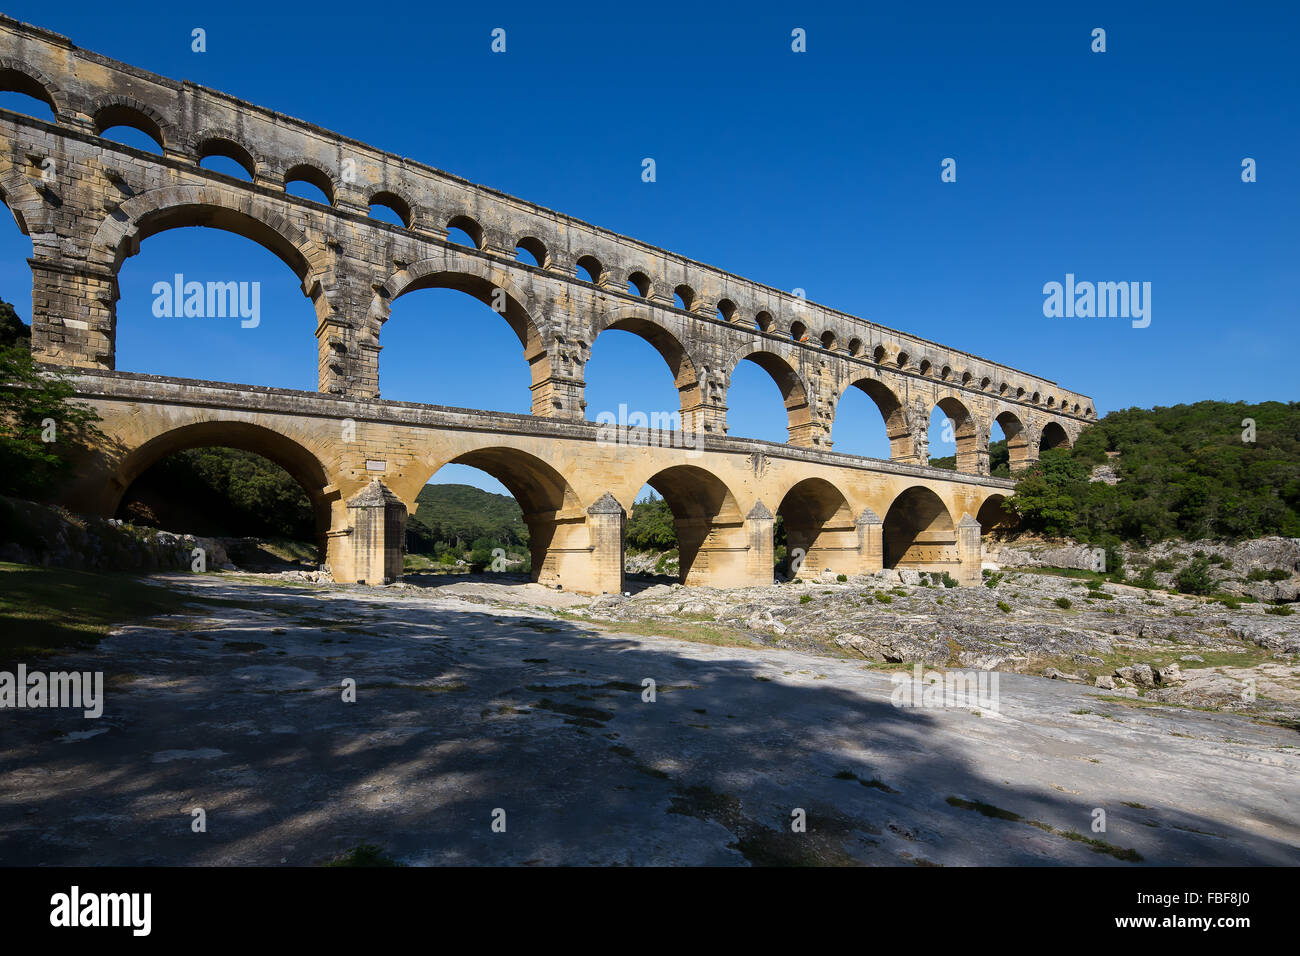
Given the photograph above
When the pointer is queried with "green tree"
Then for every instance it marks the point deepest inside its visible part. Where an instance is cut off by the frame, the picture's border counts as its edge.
(650, 526)
(40, 429)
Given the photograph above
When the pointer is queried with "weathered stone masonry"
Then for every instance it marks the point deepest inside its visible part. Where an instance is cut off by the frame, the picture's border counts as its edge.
(87, 203)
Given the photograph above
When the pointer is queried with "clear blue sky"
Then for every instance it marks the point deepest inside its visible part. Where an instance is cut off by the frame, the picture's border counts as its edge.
(818, 170)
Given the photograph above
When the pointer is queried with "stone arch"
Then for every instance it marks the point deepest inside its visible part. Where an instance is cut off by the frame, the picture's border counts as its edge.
(307, 170)
(215, 141)
(966, 434)
(992, 516)
(820, 522)
(20, 77)
(552, 510)
(391, 199)
(122, 110)
(535, 247)
(468, 225)
(173, 207)
(21, 199)
(711, 543)
(1017, 438)
(680, 363)
(794, 393)
(1054, 436)
(482, 280)
(919, 532)
(902, 441)
(303, 464)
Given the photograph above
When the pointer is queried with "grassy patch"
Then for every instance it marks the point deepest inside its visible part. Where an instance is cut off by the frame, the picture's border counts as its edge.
(363, 854)
(44, 610)
(997, 813)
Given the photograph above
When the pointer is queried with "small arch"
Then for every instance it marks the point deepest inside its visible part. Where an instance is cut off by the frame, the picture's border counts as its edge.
(798, 332)
(902, 359)
(829, 341)
(388, 200)
(1034, 399)
(764, 322)
(1020, 392)
(727, 310)
(132, 115)
(1002, 389)
(924, 367)
(1051, 401)
(855, 347)
(313, 176)
(19, 78)
(221, 146)
(685, 297)
(638, 283)
(535, 248)
(879, 354)
(590, 270)
(985, 382)
(467, 227)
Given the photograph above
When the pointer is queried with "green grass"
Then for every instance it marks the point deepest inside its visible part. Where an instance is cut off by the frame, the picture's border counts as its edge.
(45, 610)
(363, 854)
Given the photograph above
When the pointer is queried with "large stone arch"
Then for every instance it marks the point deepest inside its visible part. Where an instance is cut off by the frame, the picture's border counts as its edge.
(903, 436)
(919, 532)
(794, 391)
(685, 368)
(992, 514)
(22, 200)
(821, 529)
(558, 537)
(712, 544)
(1017, 435)
(303, 464)
(1053, 435)
(486, 281)
(972, 452)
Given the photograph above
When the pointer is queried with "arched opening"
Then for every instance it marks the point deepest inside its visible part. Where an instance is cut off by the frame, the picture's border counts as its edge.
(764, 322)
(820, 533)
(532, 251)
(798, 332)
(870, 421)
(711, 544)
(590, 270)
(1017, 443)
(829, 341)
(993, 516)
(625, 381)
(25, 94)
(496, 510)
(919, 532)
(130, 127)
(1054, 436)
(489, 371)
(208, 297)
(15, 274)
(879, 354)
(638, 283)
(758, 381)
(684, 297)
(954, 441)
(309, 182)
(727, 311)
(230, 480)
(391, 208)
(855, 347)
(464, 231)
(228, 157)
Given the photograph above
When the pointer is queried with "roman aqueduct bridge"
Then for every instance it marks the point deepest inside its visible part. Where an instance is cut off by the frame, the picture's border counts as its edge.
(87, 203)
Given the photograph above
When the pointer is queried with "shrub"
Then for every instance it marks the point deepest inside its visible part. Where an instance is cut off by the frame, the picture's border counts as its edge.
(1147, 579)
(805, 598)
(1063, 603)
(1004, 607)
(1195, 578)
(948, 580)
(1281, 610)
(842, 578)
(1271, 574)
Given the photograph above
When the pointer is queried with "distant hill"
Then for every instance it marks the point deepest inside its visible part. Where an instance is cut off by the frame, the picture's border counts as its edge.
(461, 516)
(1228, 470)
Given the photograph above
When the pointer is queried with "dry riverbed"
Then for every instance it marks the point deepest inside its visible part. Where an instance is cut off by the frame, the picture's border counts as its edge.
(481, 700)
